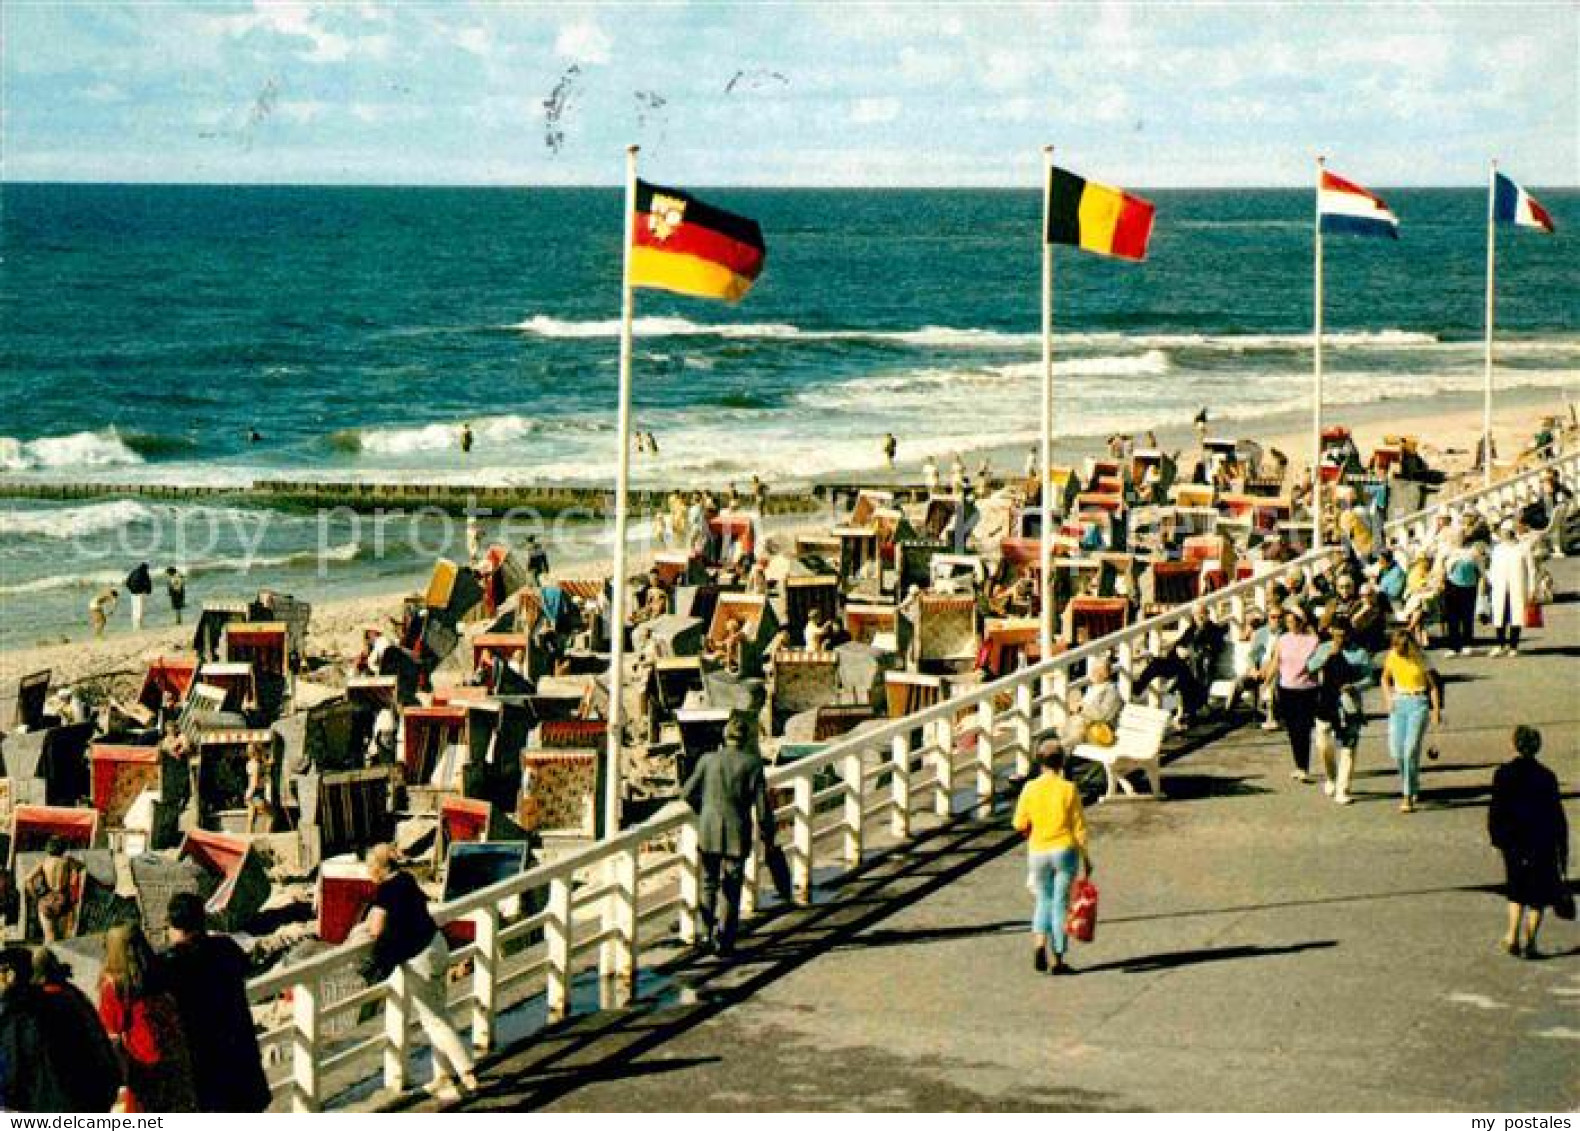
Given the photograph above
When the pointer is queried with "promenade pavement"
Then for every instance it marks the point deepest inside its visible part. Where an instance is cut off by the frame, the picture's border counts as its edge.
(1260, 949)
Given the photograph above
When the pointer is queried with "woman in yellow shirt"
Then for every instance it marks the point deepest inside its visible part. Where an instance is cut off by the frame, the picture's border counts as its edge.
(1409, 693)
(1050, 816)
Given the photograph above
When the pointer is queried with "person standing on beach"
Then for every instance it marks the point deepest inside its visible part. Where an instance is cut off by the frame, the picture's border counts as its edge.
(176, 587)
(890, 447)
(139, 584)
(101, 609)
(1031, 462)
(930, 475)
(466, 438)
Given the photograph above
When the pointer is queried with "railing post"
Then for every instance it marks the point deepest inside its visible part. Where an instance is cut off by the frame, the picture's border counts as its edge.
(853, 770)
(1154, 646)
(1023, 743)
(1125, 675)
(801, 816)
(690, 883)
(304, 1045)
(985, 753)
(557, 941)
(1061, 695)
(485, 978)
(397, 1029)
(942, 745)
(900, 786)
(627, 909)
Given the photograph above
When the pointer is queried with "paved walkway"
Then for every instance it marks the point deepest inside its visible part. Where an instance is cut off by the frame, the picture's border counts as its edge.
(1260, 949)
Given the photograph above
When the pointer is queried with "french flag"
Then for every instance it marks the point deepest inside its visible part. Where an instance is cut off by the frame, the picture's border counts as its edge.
(1346, 207)
(1513, 205)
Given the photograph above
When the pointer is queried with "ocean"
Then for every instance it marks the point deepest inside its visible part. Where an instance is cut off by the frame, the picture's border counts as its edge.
(147, 331)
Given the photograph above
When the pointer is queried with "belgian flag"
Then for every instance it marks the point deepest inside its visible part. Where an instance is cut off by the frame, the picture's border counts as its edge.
(681, 244)
(1096, 217)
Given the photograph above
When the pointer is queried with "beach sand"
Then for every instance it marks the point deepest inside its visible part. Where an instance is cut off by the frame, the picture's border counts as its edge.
(1448, 429)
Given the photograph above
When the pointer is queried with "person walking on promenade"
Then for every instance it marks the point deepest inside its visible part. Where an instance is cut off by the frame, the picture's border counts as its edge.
(726, 791)
(1287, 662)
(1342, 670)
(176, 587)
(208, 976)
(1049, 815)
(139, 584)
(143, 1023)
(407, 942)
(1511, 583)
(1526, 823)
(1462, 571)
(1410, 695)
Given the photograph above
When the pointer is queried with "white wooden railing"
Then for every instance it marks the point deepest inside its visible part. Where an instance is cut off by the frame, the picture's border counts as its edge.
(1499, 499)
(603, 906)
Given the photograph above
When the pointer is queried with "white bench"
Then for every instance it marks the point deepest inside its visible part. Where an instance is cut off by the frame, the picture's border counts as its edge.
(1138, 741)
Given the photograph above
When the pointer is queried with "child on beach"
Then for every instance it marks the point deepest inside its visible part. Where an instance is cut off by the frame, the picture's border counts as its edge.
(101, 609)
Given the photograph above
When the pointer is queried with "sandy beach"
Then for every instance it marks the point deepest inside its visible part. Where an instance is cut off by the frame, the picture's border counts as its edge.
(1447, 428)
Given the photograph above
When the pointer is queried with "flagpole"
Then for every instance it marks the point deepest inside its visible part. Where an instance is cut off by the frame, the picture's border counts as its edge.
(616, 744)
(1316, 378)
(1486, 396)
(1045, 556)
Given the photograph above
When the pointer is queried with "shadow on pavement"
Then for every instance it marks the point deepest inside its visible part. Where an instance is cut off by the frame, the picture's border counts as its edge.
(1169, 960)
(610, 1045)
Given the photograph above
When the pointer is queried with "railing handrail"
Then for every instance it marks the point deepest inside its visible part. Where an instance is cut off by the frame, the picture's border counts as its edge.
(1470, 497)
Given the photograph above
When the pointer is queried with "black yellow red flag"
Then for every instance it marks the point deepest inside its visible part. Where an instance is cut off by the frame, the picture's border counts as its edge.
(681, 244)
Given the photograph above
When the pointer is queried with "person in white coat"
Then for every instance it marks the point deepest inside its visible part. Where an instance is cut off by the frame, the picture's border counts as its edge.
(1511, 582)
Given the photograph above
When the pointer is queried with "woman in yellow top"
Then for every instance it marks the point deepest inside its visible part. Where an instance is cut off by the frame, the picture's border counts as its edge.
(1410, 692)
(1050, 816)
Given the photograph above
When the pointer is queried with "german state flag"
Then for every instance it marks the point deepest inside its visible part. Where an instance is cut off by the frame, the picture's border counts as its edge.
(681, 244)
(1096, 217)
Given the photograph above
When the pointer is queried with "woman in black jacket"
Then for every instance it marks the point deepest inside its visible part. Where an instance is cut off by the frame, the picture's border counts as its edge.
(1526, 823)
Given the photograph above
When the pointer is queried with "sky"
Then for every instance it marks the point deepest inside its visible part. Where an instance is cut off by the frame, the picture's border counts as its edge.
(802, 94)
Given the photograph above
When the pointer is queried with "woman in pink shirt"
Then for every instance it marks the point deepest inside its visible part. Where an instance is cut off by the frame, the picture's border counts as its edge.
(1297, 687)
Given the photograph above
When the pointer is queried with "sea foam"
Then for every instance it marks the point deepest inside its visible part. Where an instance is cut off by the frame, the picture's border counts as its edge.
(104, 448)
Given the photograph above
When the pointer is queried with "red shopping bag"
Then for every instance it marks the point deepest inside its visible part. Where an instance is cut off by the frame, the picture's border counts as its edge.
(1533, 615)
(1081, 922)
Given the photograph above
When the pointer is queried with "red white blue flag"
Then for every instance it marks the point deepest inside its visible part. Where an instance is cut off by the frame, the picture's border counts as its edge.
(1513, 205)
(1346, 207)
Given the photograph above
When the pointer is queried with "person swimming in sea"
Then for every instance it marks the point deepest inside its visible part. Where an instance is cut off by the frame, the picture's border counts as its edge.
(254, 436)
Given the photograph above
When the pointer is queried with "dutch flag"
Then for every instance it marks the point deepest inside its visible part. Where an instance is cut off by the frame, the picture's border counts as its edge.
(1346, 207)
(1513, 205)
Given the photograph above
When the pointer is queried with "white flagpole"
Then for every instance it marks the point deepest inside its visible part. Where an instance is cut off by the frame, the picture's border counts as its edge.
(612, 774)
(1316, 379)
(1045, 632)
(1486, 396)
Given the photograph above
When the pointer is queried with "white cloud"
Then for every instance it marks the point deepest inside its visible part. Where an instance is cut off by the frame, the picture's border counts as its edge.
(104, 92)
(302, 110)
(583, 43)
(874, 111)
(1010, 110)
(475, 40)
(1009, 70)
(927, 66)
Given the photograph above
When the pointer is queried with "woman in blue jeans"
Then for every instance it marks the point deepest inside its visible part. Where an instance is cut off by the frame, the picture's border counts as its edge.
(1049, 814)
(1410, 696)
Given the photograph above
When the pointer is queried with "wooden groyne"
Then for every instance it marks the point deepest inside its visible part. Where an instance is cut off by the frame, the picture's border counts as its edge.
(366, 497)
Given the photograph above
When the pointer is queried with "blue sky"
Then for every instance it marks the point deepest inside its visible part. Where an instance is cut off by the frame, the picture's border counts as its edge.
(789, 93)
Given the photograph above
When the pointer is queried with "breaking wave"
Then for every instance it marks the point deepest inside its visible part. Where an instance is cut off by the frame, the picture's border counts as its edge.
(104, 448)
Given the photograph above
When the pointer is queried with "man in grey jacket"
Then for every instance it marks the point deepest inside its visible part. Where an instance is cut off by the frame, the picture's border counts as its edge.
(727, 789)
